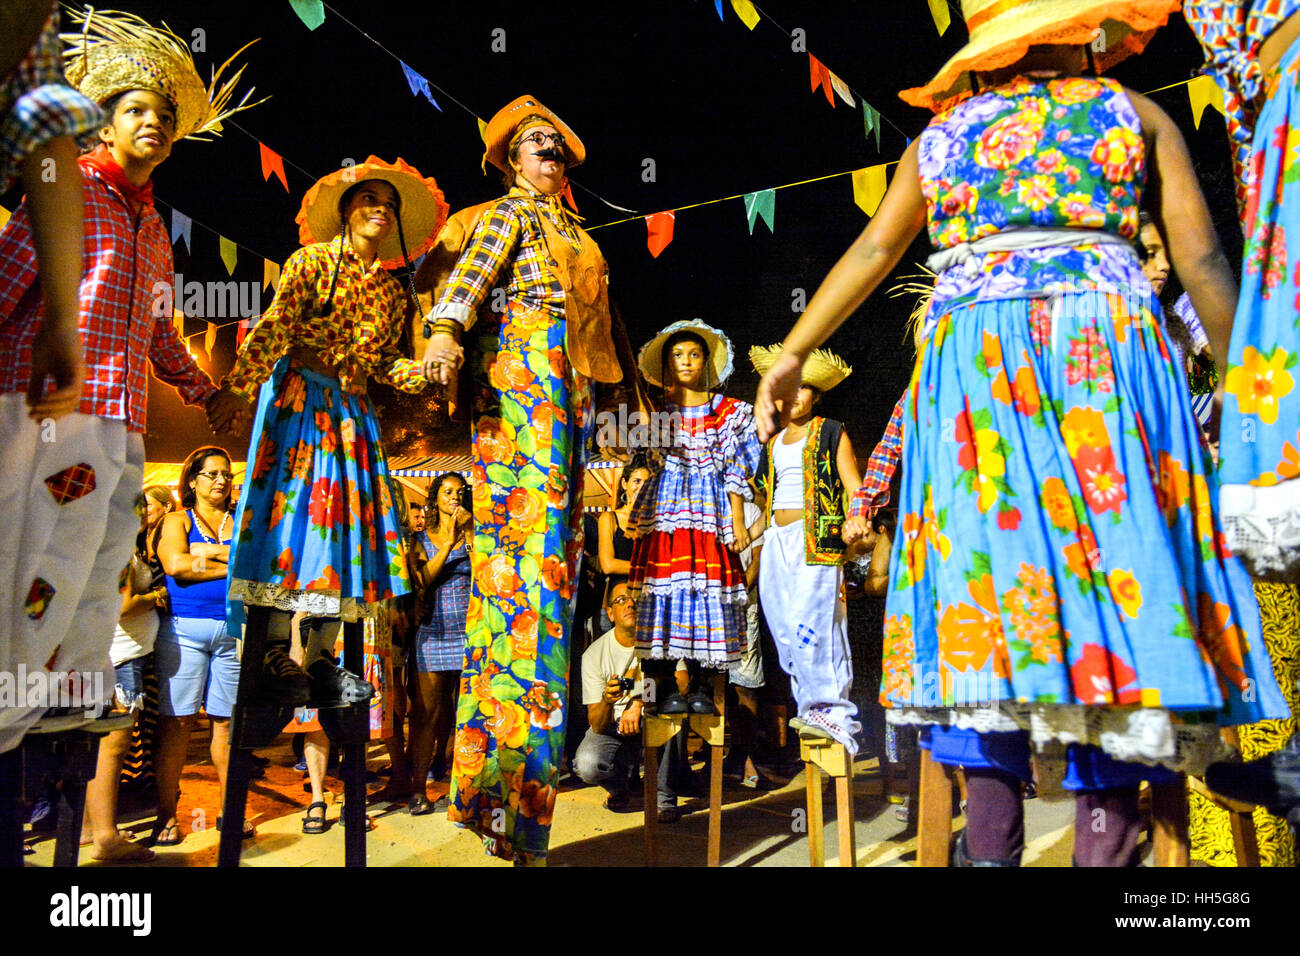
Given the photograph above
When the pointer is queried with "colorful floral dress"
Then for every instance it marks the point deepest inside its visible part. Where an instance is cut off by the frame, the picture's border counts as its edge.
(1057, 567)
(688, 585)
(316, 526)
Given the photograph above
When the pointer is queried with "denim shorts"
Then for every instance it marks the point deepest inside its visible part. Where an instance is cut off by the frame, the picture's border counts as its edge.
(130, 682)
(197, 664)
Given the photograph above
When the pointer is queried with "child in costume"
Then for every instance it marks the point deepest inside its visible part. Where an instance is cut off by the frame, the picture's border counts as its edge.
(688, 523)
(804, 472)
(1058, 577)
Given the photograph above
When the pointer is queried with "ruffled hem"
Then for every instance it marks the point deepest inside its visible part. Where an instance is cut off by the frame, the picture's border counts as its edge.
(1261, 526)
(313, 603)
(1148, 735)
(952, 83)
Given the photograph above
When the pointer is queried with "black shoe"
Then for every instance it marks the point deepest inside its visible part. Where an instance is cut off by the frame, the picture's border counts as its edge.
(674, 703)
(334, 686)
(419, 805)
(283, 681)
(1272, 782)
(700, 703)
(261, 725)
(961, 858)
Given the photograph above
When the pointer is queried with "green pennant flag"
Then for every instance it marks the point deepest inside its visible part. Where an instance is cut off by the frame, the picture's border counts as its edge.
(310, 12)
(229, 255)
(761, 203)
(871, 120)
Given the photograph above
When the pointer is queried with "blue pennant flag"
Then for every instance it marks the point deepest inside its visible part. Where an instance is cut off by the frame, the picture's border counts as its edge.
(181, 227)
(419, 85)
(717, 5)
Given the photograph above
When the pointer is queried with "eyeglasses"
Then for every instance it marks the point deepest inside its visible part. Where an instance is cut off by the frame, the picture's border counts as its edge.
(540, 139)
(214, 475)
(620, 601)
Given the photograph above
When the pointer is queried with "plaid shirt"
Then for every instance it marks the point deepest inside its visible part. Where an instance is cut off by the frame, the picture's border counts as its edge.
(359, 338)
(37, 105)
(874, 492)
(125, 261)
(508, 234)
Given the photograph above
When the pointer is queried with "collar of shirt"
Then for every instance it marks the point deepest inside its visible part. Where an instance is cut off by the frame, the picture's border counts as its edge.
(101, 160)
(350, 255)
(557, 211)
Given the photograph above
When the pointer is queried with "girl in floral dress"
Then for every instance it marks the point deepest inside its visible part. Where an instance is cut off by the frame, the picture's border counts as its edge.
(1058, 578)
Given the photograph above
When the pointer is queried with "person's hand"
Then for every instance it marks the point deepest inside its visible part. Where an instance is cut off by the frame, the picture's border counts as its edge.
(1216, 416)
(776, 393)
(613, 690)
(61, 356)
(227, 412)
(856, 529)
(630, 723)
(741, 534)
(461, 519)
(443, 357)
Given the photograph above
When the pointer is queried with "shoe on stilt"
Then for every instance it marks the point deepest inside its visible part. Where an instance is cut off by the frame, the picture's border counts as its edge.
(674, 703)
(961, 858)
(700, 702)
(334, 686)
(283, 681)
(1272, 782)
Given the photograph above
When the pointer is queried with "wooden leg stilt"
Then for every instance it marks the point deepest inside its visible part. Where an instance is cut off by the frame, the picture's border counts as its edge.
(1171, 845)
(934, 815)
(844, 819)
(715, 770)
(239, 771)
(816, 831)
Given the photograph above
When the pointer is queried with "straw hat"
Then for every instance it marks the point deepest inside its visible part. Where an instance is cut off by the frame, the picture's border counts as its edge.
(422, 213)
(721, 354)
(115, 52)
(1001, 31)
(823, 370)
(502, 127)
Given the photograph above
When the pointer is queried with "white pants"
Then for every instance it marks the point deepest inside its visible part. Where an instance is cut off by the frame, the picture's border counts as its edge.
(804, 608)
(62, 551)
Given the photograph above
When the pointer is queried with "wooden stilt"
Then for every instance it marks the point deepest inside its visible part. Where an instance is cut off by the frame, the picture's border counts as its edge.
(1171, 846)
(820, 754)
(934, 815)
(656, 732)
(239, 771)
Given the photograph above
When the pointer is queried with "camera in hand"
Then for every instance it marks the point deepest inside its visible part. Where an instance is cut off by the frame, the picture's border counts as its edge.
(626, 684)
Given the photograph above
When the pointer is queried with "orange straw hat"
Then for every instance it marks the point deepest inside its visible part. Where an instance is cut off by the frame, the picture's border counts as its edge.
(1002, 31)
(422, 210)
(502, 127)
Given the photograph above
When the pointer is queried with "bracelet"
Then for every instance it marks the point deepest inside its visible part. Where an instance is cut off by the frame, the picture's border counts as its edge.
(448, 327)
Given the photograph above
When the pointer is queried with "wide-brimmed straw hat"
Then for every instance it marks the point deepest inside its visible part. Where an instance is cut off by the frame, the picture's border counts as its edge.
(721, 354)
(1002, 31)
(823, 370)
(114, 52)
(422, 213)
(502, 127)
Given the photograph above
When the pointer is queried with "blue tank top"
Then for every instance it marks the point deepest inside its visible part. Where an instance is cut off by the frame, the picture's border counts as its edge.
(203, 599)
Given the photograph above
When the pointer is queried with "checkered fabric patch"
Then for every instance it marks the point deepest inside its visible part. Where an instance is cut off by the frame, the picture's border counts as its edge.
(38, 598)
(71, 483)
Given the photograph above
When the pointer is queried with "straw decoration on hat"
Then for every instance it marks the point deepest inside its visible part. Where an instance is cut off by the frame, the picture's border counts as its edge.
(721, 354)
(920, 285)
(1002, 31)
(823, 370)
(422, 212)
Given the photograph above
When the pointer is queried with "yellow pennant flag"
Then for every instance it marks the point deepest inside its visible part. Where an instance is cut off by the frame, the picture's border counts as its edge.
(1203, 92)
(229, 254)
(4, 215)
(482, 131)
(178, 322)
(745, 10)
(939, 10)
(842, 90)
(210, 337)
(270, 274)
(869, 188)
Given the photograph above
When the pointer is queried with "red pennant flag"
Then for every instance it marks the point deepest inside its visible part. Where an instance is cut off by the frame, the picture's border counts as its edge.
(272, 163)
(241, 329)
(821, 76)
(567, 194)
(660, 228)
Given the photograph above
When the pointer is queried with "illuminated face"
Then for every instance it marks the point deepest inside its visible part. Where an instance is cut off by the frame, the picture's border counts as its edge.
(142, 128)
(1156, 265)
(541, 158)
(213, 482)
(449, 494)
(372, 210)
(633, 482)
(622, 609)
(803, 402)
(687, 362)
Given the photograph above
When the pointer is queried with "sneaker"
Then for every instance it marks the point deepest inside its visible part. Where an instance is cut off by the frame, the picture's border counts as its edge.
(334, 686)
(283, 681)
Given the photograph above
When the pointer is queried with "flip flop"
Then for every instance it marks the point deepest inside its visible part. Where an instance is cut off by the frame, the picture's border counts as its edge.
(160, 836)
(249, 832)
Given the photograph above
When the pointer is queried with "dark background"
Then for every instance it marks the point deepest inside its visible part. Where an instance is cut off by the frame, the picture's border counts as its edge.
(721, 110)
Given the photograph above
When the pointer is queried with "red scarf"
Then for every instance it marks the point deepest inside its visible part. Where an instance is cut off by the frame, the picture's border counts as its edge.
(102, 160)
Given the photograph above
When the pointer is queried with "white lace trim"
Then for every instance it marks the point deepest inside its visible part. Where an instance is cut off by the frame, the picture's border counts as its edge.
(313, 603)
(1149, 735)
(1261, 526)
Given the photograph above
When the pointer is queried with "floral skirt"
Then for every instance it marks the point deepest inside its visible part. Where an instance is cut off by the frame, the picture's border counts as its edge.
(1058, 567)
(317, 531)
(532, 421)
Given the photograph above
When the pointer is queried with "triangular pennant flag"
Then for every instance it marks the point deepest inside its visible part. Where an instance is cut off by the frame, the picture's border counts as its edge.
(717, 5)
(939, 10)
(210, 337)
(820, 77)
(241, 329)
(4, 215)
(229, 253)
(1202, 92)
(181, 227)
(178, 322)
(869, 188)
(841, 89)
(482, 130)
(310, 12)
(660, 229)
(745, 10)
(272, 163)
(871, 121)
(761, 203)
(270, 274)
(419, 85)
(567, 195)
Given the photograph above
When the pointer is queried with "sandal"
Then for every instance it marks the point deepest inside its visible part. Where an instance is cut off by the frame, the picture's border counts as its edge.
(169, 835)
(249, 832)
(311, 824)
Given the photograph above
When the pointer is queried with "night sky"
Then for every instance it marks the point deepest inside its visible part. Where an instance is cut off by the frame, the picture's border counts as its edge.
(720, 109)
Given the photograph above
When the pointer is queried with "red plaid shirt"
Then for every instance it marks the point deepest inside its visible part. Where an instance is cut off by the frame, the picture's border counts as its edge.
(124, 261)
(874, 491)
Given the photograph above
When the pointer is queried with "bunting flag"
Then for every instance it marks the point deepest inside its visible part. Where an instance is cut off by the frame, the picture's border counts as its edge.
(4, 215)
(272, 162)
(871, 122)
(270, 274)
(181, 224)
(939, 10)
(482, 131)
(567, 195)
(761, 203)
(229, 253)
(745, 10)
(841, 89)
(821, 77)
(241, 329)
(660, 231)
(717, 5)
(178, 323)
(310, 12)
(869, 188)
(1202, 92)
(210, 337)
(419, 85)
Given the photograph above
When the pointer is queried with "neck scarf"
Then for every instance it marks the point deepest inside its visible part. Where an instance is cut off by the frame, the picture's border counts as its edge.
(101, 160)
